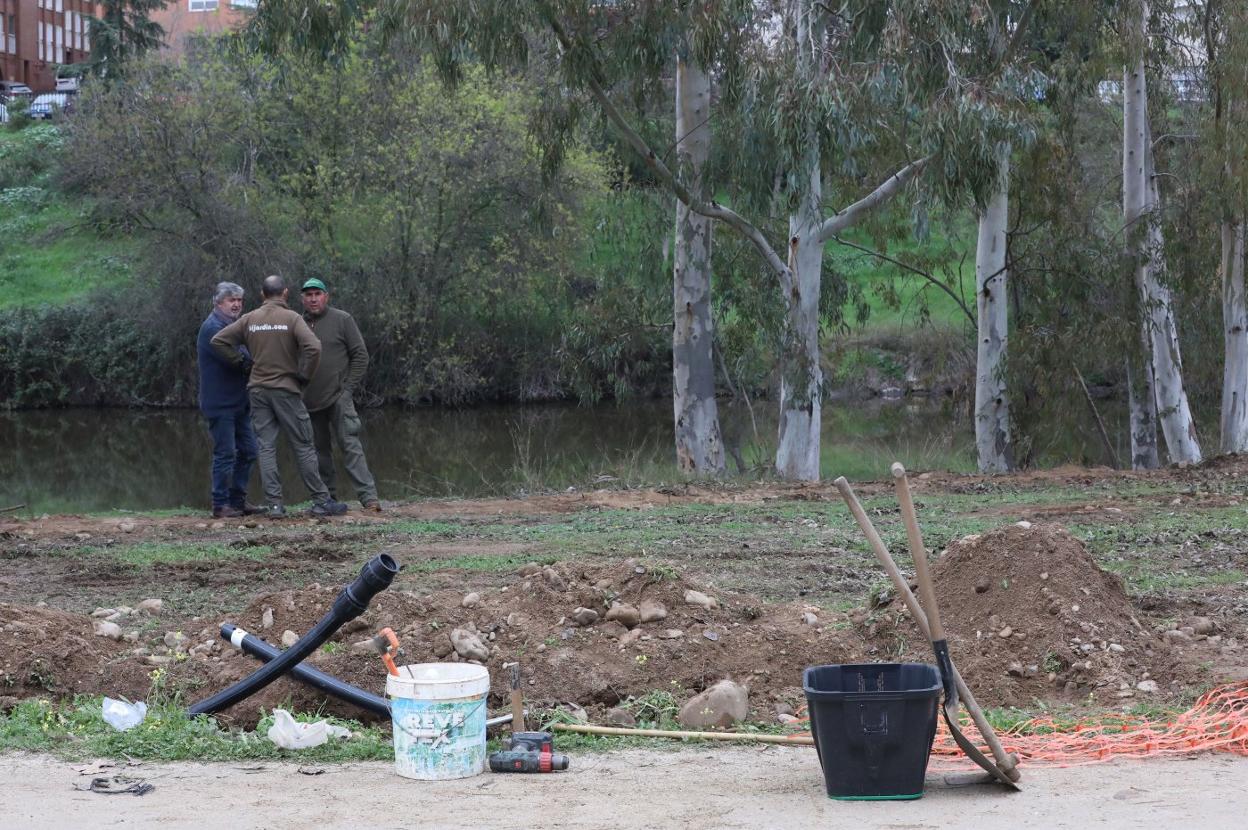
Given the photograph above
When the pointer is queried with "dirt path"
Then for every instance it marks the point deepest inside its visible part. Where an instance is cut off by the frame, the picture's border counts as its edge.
(696, 789)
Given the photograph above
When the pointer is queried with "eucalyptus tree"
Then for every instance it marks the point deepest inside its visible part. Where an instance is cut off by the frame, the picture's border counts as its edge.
(1141, 206)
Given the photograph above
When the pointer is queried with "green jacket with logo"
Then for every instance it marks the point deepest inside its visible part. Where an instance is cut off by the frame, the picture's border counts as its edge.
(284, 351)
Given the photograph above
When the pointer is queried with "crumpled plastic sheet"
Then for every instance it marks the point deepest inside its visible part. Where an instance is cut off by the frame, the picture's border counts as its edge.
(288, 733)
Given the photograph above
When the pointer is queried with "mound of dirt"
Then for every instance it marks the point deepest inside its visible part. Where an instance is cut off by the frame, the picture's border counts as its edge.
(531, 620)
(48, 652)
(1029, 612)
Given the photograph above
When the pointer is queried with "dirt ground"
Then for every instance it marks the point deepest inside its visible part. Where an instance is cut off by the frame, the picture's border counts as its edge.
(1031, 616)
(697, 789)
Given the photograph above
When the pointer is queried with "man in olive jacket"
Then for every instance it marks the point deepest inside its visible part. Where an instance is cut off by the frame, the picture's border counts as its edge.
(284, 354)
(329, 397)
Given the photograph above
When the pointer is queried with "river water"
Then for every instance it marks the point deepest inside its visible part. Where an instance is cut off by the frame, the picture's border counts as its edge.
(89, 460)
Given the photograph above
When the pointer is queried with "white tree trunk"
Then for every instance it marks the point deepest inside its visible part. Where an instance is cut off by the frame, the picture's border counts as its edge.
(992, 403)
(1140, 205)
(1235, 321)
(699, 444)
(801, 381)
(1143, 408)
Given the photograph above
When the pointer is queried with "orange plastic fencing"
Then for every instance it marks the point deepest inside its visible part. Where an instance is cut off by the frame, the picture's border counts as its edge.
(1218, 722)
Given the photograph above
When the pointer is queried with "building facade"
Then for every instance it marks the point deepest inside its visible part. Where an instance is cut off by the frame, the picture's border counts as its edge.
(38, 35)
(184, 19)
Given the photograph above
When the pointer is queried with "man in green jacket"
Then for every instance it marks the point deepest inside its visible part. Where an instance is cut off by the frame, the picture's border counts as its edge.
(330, 395)
(284, 356)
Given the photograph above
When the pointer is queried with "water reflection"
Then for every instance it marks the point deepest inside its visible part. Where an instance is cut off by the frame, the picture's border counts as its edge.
(92, 460)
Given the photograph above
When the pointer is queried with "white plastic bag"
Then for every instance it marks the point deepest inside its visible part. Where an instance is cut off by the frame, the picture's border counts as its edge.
(287, 733)
(122, 715)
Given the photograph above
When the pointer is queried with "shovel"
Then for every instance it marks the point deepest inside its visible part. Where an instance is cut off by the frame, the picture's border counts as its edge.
(1005, 769)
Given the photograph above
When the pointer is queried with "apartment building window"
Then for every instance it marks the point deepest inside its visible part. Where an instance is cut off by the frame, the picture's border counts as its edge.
(42, 44)
(204, 5)
(243, 4)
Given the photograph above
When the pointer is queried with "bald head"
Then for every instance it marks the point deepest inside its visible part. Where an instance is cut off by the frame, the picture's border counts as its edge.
(273, 286)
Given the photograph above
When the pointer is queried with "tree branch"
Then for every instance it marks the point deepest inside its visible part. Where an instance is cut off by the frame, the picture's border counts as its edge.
(850, 215)
(709, 209)
(869, 251)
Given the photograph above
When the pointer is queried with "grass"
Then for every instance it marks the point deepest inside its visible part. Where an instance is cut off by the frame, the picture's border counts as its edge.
(152, 553)
(477, 563)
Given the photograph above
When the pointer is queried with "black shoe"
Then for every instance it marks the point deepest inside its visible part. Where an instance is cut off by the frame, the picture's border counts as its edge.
(249, 509)
(275, 511)
(328, 508)
(225, 511)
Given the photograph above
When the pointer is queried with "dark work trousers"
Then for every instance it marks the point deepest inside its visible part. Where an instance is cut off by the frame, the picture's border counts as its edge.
(233, 454)
(274, 411)
(340, 424)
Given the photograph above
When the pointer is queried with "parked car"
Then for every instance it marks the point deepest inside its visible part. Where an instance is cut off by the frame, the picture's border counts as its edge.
(4, 114)
(49, 104)
(68, 85)
(14, 89)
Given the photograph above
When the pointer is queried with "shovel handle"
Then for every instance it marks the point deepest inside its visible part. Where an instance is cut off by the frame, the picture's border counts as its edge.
(1007, 762)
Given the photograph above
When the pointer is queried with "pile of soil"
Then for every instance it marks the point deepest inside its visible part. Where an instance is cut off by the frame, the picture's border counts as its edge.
(1029, 613)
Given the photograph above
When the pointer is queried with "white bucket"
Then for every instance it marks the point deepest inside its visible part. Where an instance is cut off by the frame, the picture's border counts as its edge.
(438, 711)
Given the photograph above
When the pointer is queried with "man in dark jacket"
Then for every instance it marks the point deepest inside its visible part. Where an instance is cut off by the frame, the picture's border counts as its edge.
(330, 395)
(223, 400)
(284, 354)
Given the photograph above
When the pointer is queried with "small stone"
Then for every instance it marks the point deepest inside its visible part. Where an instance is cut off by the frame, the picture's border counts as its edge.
(470, 600)
(289, 638)
(157, 659)
(1005, 633)
(631, 637)
(701, 600)
(1116, 648)
(1202, 625)
(266, 619)
(175, 640)
(721, 705)
(625, 615)
(810, 619)
(83, 536)
(127, 527)
(1044, 577)
(1175, 636)
(541, 647)
(104, 628)
(131, 636)
(1074, 608)
(218, 525)
(672, 634)
(1025, 525)
(651, 610)
(620, 717)
(613, 629)
(711, 635)
(983, 586)
(468, 645)
(530, 569)
(102, 613)
(1147, 686)
(151, 606)
(514, 619)
(442, 646)
(584, 616)
(1015, 669)
(554, 579)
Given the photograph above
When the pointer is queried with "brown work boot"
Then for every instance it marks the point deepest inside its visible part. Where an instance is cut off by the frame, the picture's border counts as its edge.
(226, 512)
(373, 506)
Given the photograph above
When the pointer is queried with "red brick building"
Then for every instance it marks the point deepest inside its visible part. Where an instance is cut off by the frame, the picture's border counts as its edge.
(182, 19)
(36, 35)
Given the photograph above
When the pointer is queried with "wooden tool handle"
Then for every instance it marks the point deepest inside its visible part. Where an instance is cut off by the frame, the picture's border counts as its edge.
(1006, 761)
(918, 552)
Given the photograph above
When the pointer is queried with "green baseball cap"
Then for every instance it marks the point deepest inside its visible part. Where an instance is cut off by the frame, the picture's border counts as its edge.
(314, 283)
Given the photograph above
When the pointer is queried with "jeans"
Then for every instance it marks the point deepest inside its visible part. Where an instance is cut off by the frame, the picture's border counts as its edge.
(276, 411)
(233, 454)
(341, 425)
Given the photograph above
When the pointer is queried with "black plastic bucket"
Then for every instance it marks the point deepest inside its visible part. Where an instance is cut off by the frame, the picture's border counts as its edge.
(873, 725)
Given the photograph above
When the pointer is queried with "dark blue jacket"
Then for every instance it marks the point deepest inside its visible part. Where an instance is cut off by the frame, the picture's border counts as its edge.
(222, 387)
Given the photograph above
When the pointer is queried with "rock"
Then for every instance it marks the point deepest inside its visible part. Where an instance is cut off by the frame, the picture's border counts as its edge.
(1116, 648)
(625, 615)
(786, 718)
(584, 616)
(783, 708)
(701, 600)
(1015, 669)
(1202, 625)
(620, 717)
(442, 646)
(1025, 525)
(554, 579)
(514, 619)
(470, 600)
(672, 634)
(131, 636)
(810, 619)
(1147, 686)
(1005, 633)
(613, 629)
(175, 641)
(713, 636)
(217, 525)
(721, 705)
(83, 536)
(576, 712)
(982, 586)
(289, 638)
(530, 569)
(111, 630)
(101, 613)
(266, 619)
(468, 645)
(157, 659)
(652, 610)
(151, 606)
(1175, 636)
(631, 637)
(127, 527)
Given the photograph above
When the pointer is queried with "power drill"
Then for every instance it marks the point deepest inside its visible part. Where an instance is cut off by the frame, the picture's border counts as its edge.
(528, 752)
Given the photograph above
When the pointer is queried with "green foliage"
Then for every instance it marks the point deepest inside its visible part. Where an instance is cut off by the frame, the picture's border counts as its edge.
(123, 33)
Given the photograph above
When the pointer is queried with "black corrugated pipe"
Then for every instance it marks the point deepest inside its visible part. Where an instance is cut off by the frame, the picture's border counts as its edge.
(265, 652)
(375, 577)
